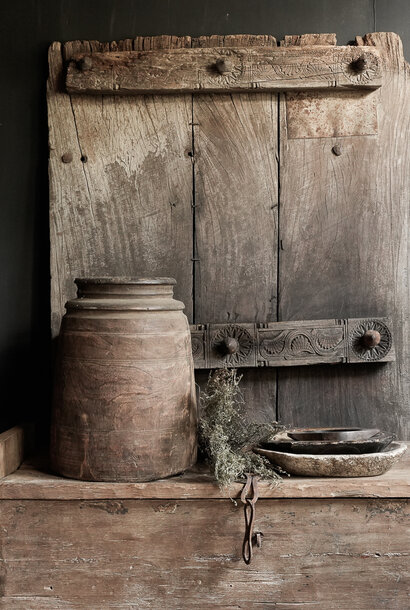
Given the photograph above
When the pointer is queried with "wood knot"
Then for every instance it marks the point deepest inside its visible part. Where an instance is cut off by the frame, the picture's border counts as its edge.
(337, 150)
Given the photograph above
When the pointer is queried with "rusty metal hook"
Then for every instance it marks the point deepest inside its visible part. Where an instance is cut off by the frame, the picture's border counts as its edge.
(251, 538)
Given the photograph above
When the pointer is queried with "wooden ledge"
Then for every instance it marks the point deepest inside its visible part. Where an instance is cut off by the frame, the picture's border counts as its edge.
(33, 482)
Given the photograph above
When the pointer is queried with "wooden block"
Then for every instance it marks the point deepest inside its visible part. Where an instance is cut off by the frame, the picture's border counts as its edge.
(232, 69)
(11, 450)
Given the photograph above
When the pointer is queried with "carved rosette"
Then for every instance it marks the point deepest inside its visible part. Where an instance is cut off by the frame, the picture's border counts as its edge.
(242, 336)
(370, 71)
(234, 69)
(358, 346)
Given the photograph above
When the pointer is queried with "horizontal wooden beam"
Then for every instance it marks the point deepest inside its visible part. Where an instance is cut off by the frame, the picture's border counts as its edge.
(308, 342)
(228, 69)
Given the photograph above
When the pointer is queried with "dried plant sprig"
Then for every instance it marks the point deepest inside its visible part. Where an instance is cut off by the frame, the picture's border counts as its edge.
(226, 436)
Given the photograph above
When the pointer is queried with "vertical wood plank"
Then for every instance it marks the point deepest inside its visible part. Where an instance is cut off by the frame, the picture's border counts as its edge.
(121, 204)
(236, 189)
(344, 229)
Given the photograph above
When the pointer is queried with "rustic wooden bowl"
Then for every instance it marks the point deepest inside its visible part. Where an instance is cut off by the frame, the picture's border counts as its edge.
(332, 434)
(371, 445)
(309, 465)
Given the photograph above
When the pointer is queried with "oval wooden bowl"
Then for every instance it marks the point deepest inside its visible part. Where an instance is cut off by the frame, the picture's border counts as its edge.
(309, 465)
(332, 434)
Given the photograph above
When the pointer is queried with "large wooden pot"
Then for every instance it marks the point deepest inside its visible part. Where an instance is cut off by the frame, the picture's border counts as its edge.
(124, 397)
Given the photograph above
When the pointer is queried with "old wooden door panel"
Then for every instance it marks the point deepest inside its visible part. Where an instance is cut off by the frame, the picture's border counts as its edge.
(343, 218)
(344, 245)
(187, 554)
(236, 192)
(121, 203)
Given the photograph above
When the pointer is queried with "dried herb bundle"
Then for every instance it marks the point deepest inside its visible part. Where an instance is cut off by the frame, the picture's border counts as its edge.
(226, 436)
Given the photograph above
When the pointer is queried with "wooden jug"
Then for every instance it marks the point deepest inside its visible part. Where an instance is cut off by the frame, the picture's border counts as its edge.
(124, 404)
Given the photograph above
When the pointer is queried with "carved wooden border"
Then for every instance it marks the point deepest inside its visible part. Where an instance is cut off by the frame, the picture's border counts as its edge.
(224, 69)
(291, 343)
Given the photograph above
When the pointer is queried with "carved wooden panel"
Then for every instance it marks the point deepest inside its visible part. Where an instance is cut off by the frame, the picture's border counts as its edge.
(292, 343)
(224, 69)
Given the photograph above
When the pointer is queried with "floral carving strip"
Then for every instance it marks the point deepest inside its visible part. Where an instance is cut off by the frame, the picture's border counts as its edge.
(290, 343)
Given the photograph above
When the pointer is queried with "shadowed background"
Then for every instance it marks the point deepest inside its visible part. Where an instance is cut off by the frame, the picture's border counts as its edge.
(27, 29)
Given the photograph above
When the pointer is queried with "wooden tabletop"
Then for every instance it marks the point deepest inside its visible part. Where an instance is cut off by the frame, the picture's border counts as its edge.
(33, 481)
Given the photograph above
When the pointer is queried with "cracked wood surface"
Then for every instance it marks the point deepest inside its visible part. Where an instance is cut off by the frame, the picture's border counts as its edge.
(34, 481)
(235, 138)
(184, 554)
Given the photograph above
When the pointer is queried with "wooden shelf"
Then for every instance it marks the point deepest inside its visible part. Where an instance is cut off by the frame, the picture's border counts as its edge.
(34, 482)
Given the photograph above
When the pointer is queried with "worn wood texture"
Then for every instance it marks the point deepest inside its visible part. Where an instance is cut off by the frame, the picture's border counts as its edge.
(343, 212)
(236, 191)
(124, 396)
(120, 182)
(344, 235)
(222, 69)
(33, 481)
(300, 40)
(11, 450)
(187, 554)
(328, 114)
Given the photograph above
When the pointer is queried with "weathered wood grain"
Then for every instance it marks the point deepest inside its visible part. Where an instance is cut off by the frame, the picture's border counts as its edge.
(344, 235)
(328, 114)
(236, 190)
(353, 204)
(11, 450)
(187, 554)
(121, 203)
(33, 481)
(219, 69)
(302, 40)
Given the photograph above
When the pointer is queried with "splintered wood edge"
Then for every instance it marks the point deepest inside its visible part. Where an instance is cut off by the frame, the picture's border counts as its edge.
(30, 483)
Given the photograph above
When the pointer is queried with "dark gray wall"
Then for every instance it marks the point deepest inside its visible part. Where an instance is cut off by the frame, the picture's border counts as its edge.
(27, 28)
